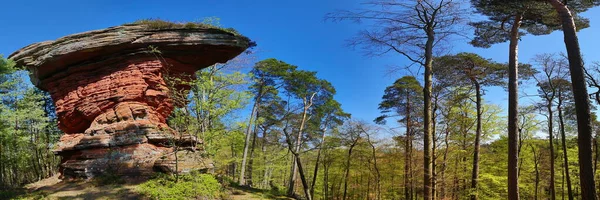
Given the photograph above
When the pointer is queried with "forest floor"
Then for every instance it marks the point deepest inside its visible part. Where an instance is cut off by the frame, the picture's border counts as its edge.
(55, 189)
(242, 193)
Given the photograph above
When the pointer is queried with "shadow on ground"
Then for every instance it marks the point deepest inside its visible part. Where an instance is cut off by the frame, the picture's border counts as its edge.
(54, 188)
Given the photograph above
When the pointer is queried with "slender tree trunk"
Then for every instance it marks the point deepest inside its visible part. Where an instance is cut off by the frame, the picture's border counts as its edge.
(407, 150)
(242, 180)
(582, 102)
(427, 115)
(562, 182)
(433, 154)
(292, 180)
(325, 179)
(307, 104)
(302, 177)
(378, 175)
(551, 137)
(347, 171)
(316, 170)
(249, 181)
(537, 172)
(267, 164)
(445, 164)
(475, 174)
(513, 106)
(564, 146)
(596, 157)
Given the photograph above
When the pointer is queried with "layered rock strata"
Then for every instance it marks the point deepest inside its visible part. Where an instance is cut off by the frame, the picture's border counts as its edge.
(112, 94)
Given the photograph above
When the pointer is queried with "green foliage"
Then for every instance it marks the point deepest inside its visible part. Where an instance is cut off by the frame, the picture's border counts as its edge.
(397, 99)
(25, 132)
(189, 186)
(539, 18)
(6, 66)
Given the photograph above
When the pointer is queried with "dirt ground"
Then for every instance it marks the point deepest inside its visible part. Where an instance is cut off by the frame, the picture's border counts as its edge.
(54, 188)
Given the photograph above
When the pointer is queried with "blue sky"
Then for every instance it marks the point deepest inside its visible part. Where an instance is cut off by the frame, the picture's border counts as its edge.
(292, 31)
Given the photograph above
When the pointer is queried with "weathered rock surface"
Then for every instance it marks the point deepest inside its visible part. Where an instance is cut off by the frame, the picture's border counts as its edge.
(111, 96)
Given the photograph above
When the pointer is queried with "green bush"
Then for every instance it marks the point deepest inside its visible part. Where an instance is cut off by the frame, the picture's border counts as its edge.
(190, 186)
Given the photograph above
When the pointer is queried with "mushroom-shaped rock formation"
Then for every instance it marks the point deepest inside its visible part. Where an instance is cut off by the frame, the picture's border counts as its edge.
(112, 95)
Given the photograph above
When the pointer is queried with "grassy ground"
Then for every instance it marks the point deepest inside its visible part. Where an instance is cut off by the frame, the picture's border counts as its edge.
(112, 188)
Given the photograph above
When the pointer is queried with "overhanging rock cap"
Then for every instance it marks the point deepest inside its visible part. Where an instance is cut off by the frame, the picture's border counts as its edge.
(198, 46)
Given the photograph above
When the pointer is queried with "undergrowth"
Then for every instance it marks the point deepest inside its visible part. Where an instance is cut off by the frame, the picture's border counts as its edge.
(189, 186)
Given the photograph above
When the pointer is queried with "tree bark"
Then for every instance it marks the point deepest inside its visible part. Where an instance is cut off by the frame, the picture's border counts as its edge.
(316, 170)
(513, 117)
(475, 174)
(347, 170)
(427, 133)
(242, 179)
(433, 153)
(444, 163)
(378, 175)
(251, 154)
(582, 102)
(551, 137)
(303, 178)
(407, 152)
(564, 145)
(307, 104)
(537, 172)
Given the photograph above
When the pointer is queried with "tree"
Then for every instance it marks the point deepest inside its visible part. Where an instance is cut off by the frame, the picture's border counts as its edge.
(468, 69)
(563, 91)
(531, 16)
(400, 99)
(571, 23)
(327, 116)
(312, 93)
(413, 29)
(547, 91)
(537, 17)
(351, 135)
(268, 78)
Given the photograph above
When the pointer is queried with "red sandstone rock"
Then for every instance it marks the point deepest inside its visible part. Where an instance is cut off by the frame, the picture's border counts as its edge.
(111, 96)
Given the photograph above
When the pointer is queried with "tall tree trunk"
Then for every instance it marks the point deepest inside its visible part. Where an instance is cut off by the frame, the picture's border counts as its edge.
(444, 163)
(316, 170)
(596, 157)
(291, 182)
(325, 179)
(513, 106)
(551, 137)
(242, 180)
(407, 150)
(427, 133)
(251, 154)
(564, 145)
(475, 173)
(537, 172)
(433, 153)
(347, 171)
(582, 102)
(267, 164)
(307, 104)
(378, 175)
(303, 178)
